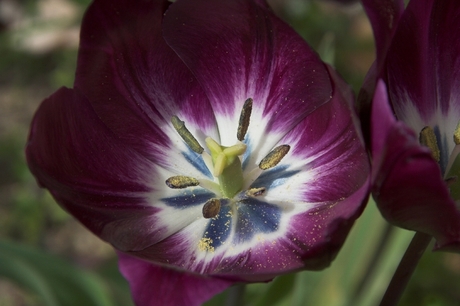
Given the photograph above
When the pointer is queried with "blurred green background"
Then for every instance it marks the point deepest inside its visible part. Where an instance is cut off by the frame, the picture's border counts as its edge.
(47, 258)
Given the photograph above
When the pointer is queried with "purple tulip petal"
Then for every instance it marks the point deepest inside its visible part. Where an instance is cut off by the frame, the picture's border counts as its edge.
(133, 80)
(102, 180)
(331, 147)
(384, 16)
(240, 49)
(423, 63)
(91, 173)
(153, 285)
(423, 67)
(408, 185)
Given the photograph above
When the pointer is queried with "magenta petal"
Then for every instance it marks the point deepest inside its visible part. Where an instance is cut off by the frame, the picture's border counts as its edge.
(331, 224)
(346, 176)
(239, 49)
(384, 16)
(408, 186)
(90, 172)
(133, 80)
(330, 141)
(153, 285)
(423, 62)
(381, 125)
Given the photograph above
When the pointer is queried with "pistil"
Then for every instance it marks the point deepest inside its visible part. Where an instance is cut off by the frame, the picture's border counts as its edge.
(227, 166)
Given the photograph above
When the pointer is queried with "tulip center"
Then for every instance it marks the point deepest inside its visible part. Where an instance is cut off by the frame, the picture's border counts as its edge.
(451, 174)
(225, 165)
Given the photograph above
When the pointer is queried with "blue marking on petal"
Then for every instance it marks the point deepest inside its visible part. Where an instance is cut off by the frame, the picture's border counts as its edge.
(443, 148)
(197, 161)
(255, 217)
(246, 154)
(274, 177)
(187, 198)
(219, 228)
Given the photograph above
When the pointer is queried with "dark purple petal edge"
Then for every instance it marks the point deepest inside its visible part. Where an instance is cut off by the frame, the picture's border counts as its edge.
(153, 285)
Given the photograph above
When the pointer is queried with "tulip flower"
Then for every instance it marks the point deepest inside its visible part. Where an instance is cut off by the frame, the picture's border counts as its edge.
(415, 117)
(206, 142)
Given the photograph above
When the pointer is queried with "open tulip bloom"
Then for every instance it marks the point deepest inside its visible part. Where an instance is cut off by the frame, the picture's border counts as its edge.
(415, 117)
(206, 142)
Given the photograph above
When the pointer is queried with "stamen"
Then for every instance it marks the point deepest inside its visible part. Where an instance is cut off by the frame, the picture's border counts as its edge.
(243, 124)
(255, 192)
(180, 181)
(457, 134)
(428, 138)
(211, 208)
(189, 139)
(274, 157)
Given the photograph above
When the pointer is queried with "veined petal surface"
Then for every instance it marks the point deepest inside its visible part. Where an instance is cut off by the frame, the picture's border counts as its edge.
(89, 170)
(423, 70)
(134, 81)
(384, 16)
(239, 49)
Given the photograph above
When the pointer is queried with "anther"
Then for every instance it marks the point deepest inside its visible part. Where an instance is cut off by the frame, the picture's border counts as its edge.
(211, 208)
(243, 124)
(180, 181)
(189, 139)
(274, 157)
(255, 192)
(457, 134)
(427, 138)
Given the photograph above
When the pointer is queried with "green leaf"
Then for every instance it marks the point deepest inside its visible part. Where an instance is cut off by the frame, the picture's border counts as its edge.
(56, 281)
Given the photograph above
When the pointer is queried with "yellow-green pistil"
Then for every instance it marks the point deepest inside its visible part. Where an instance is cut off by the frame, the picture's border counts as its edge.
(226, 163)
(227, 166)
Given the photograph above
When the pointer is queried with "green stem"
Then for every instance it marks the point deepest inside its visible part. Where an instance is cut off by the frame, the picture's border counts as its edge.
(373, 263)
(405, 269)
(235, 295)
